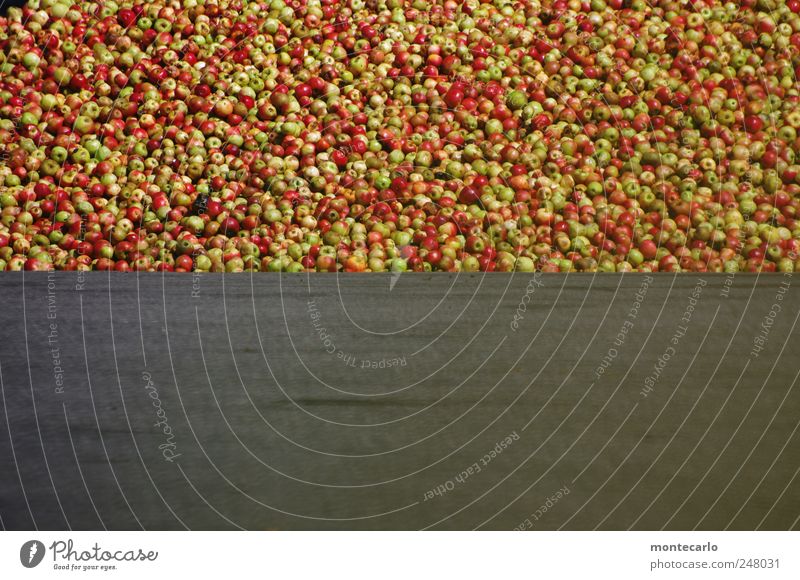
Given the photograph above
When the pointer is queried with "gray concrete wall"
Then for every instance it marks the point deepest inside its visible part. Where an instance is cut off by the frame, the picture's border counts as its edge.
(416, 401)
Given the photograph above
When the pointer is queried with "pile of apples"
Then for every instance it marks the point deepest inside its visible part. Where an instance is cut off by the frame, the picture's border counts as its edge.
(400, 135)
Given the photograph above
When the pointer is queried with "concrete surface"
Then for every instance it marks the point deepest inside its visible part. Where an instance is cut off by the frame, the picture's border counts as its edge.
(419, 401)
